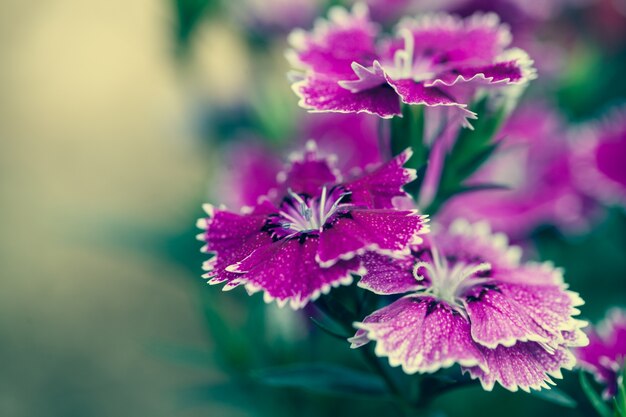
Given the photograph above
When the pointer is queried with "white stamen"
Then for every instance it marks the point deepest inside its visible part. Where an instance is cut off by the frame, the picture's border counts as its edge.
(449, 283)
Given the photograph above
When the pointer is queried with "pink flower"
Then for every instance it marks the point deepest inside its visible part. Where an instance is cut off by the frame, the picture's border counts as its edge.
(534, 161)
(600, 156)
(435, 60)
(472, 302)
(308, 235)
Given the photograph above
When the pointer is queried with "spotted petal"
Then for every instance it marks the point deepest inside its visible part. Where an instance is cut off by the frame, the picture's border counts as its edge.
(378, 188)
(525, 365)
(308, 172)
(334, 44)
(421, 335)
(360, 230)
(231, 237)
(286, 271)
(322, 93)
(386, 275)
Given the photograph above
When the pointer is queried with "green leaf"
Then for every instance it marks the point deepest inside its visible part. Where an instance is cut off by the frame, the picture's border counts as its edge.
(620, 397)
(594, 398)
(326, 328)
(471, 149)
(480, 187)
(408, 132)
(555, 396)
(324, 378)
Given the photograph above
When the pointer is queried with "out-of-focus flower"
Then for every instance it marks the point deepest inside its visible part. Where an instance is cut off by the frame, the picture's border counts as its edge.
(280, 16)
(306, 240)
(352, 137)
(435, 60)
(250, 168)
(511, 11)
(534, 162)
(249, 173)
(600, 156)
(471, 302)
(605, 355)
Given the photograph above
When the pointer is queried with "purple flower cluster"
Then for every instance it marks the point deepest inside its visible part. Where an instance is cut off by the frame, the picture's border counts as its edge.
(436, 60)
(462, 295)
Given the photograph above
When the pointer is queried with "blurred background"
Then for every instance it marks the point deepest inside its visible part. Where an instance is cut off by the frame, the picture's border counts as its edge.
(114, 121)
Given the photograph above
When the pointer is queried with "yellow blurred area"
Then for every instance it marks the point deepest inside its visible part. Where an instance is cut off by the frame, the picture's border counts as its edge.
(92, 133)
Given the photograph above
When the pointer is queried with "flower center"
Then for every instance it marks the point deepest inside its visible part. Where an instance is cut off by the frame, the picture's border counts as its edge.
(299, 213)
(407, 65)
(450, 282)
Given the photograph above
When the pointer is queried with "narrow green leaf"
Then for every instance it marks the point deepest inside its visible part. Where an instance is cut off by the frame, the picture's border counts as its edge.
(480, 187)
(324, 378)
(326, 328)
(594, 398)
(555, 396)
(620, 397)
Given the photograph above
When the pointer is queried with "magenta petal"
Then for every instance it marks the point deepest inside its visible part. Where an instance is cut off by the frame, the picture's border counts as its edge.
(421, 335)
(322, 93)
(550, 306)
(606, 351)
(525, 365)
(413, 92)
(378, 188)
(508, 72)
(286, 271)
(386, 275)
(478, 38)
(384, 231)
(416, 93)
(231, 237)
(334, 45)
(497, 320)
(308, 172)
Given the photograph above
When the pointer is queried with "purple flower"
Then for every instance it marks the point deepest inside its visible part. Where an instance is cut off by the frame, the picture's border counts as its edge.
(605, 355)
(534, 162)
(306, 238)
(471, 302)
(435, 60)
(601, 151)
(249, 159)
(274, 16)
(351, 137)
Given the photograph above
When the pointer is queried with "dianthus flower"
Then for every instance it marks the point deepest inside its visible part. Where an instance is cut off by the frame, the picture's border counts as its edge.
(435, 60)
(351, 137)
(305, 238)
(472, 302)
(600, 155)
(605, 355)
(534, 162)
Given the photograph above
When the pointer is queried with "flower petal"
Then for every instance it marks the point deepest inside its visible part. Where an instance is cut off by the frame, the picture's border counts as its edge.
(308, 172)
(286, 271)
(358, 231)
(378, 188)
(321, 93)
(525, 365)
(334, 44)
(421, 335)
(417, 93)
(497, 320)
(231, 237)
(386, 275)
(477, 39)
